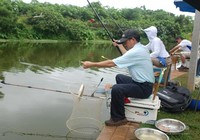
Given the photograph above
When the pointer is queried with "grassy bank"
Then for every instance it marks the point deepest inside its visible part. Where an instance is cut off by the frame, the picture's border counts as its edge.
(191, 118)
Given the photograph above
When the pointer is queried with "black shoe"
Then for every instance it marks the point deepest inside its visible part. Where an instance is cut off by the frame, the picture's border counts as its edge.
(181, 67)
(184, 69)
(116, 123)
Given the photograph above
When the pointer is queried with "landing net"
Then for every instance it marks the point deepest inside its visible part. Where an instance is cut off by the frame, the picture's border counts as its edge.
(85, 117)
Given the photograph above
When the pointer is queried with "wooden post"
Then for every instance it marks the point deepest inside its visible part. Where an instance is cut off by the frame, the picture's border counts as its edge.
(194, 52)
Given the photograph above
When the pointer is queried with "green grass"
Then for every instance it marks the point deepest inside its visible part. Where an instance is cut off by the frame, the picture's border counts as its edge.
(191, 118)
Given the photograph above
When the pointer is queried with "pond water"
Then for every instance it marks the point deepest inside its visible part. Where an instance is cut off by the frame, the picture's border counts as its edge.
(37, 81)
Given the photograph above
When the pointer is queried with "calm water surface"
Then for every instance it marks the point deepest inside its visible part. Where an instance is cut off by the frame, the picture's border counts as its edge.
(27, 113)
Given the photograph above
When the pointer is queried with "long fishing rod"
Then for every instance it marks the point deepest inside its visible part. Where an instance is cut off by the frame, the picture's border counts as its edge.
(25, 86)
(46, 89)
(103, 25)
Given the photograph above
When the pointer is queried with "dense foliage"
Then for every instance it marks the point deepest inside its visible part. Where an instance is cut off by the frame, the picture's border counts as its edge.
(36, 20)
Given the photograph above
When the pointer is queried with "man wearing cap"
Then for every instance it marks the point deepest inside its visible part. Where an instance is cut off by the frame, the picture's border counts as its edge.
(140, 82)
(159, 55)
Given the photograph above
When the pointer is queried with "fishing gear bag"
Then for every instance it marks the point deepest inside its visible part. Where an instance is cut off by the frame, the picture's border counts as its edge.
(174, 98)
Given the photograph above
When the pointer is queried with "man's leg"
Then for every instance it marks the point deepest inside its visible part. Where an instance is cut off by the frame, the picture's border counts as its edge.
(125, 87)
(120, 91)
(123, 79)
(156, 62)
(184, 55)
(183, 60)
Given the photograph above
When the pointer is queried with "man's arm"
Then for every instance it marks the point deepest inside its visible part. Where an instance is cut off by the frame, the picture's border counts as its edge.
(122, 49)
(120, 46)
(157, 50)
(174, 50)
(102, 64)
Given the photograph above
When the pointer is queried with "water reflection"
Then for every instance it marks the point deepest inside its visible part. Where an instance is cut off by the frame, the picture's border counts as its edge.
(1, 95)
(28, 113)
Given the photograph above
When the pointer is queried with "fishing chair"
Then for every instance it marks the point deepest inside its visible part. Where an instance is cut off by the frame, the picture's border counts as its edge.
(164, 73)
(166, 77)
(175, 59)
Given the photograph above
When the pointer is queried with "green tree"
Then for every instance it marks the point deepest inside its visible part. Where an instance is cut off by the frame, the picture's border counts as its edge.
(37, 20)
(48, 24)
(8, 19)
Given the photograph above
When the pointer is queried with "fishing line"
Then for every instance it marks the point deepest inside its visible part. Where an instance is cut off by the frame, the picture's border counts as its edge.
(103, 25)
(116, 24)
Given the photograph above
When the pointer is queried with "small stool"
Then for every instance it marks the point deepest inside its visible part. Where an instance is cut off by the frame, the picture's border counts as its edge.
(175, 59)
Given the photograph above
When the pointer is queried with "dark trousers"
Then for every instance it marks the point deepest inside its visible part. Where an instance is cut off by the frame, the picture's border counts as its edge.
(126, 87)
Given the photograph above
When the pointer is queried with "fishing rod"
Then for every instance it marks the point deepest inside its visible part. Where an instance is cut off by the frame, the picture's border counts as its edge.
(103, 25)
(46, 89)
(25, 86)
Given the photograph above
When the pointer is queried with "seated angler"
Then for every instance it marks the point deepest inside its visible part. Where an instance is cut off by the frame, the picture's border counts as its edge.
(184, 46)
(159, 55)
(140, 82)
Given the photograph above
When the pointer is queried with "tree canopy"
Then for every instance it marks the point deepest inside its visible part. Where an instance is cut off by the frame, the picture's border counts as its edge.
(37, 20)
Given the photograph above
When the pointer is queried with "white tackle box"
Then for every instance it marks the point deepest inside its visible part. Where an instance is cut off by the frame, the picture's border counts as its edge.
(142, 110)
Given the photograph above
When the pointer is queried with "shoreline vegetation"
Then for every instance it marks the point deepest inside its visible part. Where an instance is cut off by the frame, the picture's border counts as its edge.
(46, 21)
(50, 41)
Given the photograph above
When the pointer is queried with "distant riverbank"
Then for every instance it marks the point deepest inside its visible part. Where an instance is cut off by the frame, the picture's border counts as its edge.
(51, 41)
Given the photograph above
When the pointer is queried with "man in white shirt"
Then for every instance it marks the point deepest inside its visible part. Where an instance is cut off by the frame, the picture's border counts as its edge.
(159, 55)
(140, 82)
(184, 46)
